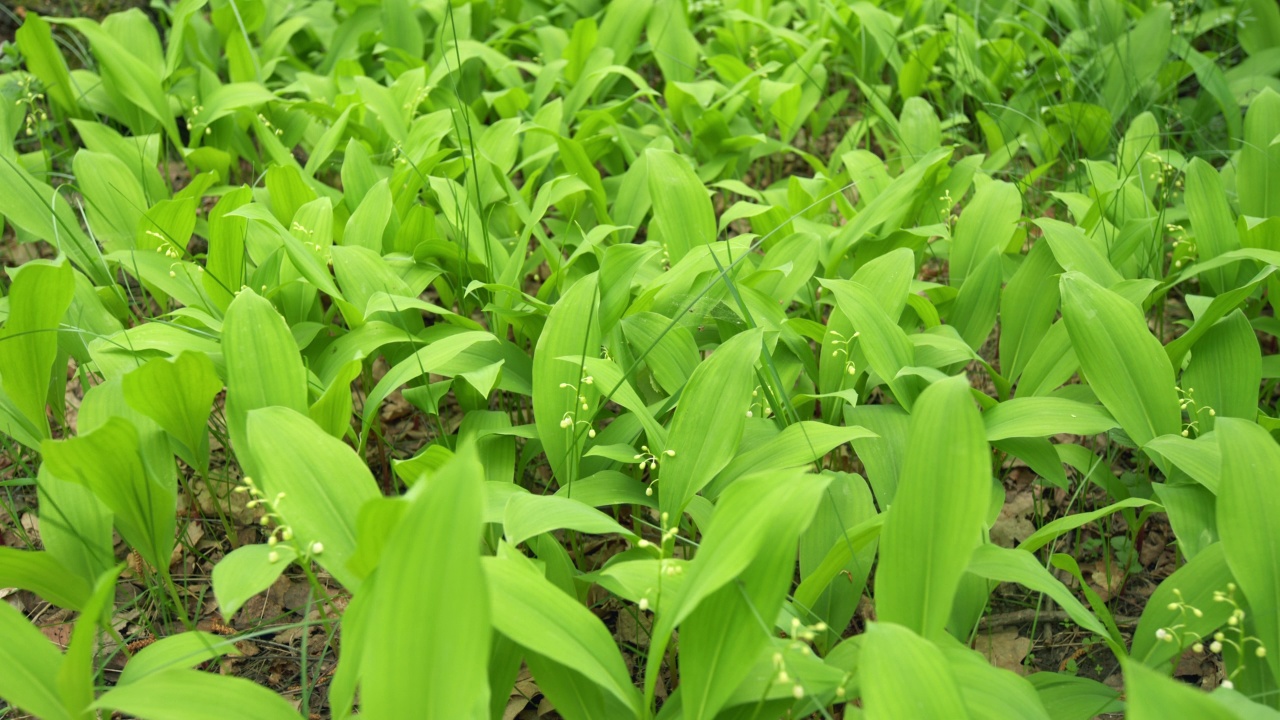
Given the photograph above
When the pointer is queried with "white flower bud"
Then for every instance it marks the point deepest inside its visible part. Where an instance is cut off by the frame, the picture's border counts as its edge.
(1260, 652)
(317, 547)
(798, 691)
(1228, 685)
(643, 604)
(273, 557)
(1215, 647)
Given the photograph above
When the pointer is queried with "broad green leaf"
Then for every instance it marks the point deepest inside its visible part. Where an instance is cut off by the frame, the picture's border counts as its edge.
(1153, 696)
(796, 446)
(431, 359)
(1191, 586)
(263, 365)
(571, 329)
(183, 650)
(708, 422)
(247, 571)
(1221, 305)
(1071, 697)
(1122, 361)
(682, 215)
(38, 209)
(1027, 308)
(985, 227)
(168, 696)
(529, 610)
(1063, 525)
(40, 295)
(1019, 566)
(117, 202)
(428, 639)
(1212, 221)
(1259, 163)
(178, 395)
(1248, 514)
(42, 574)
(937, 516)
(1224, 373)
(528, 515)
(31, 662)
(75, 677)
(109, 461)
(43, 59)
(895, 668)
(990, 692)
(885, 345)
(1044, 417)
(722, 637)
(325, 483)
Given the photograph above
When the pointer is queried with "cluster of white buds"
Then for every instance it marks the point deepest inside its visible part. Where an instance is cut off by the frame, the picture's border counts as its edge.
(35, 114)
(1182, 241)
(784, 678)
(281, 532)
(949, 205)
(668, 533)
(1219, 640)
(1165, 172)
(192, 119)
(841, 345)
(267, 124)
(418, 99)
(649, 460)
(1187, 401)
(166, 246)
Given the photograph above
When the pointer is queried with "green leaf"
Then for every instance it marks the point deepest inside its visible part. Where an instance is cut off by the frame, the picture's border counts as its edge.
(985, 227)
(571, 329)
(896, 666)
(38, 209)
(109, 461)
(177, 394)
(886, 346)
(1154, 696)
(708, 422)
(537, 615)
(528, 515)
(1191, 586)
(247, 571)
(1019, 566)
(682, 214)
(1224, 373)
(168, 696)
(937, 516)
(43, 574)
(1249, 522)
(1043, 417)
(42, 58)
(427, 645)
(31, 662)
(184, 650)
(40, 295)
(1063, 525)
(75, 677)
(723, 636)
(1122, 360)
(263, 365)
(325, 484)
(796, 446)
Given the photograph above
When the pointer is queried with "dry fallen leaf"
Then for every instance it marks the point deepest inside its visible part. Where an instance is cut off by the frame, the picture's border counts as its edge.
(1014, 524)
(1004, 649)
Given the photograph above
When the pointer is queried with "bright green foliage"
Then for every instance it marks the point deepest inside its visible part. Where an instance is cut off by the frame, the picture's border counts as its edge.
(542, 323)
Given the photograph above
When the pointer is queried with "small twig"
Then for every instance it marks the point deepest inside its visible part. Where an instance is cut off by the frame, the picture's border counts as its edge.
(1029, 615)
